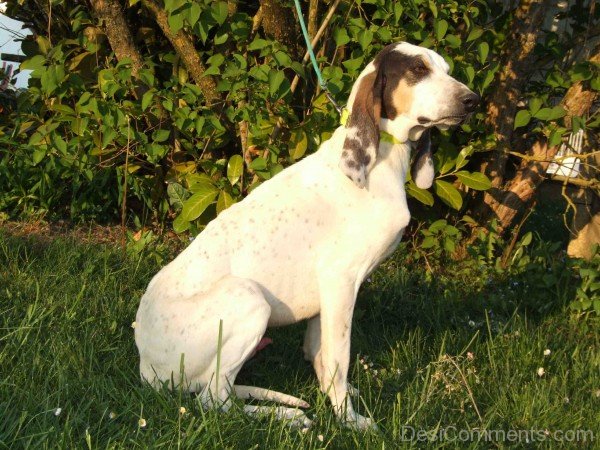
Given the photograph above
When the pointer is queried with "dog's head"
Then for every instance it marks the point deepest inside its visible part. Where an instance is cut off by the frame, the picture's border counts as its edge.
(404, 91)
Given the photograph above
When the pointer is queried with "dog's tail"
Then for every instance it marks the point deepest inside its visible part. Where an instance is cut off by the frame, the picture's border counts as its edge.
(252, 392)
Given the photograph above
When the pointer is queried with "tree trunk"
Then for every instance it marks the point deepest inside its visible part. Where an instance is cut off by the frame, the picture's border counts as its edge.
(519, 193)
(118, 33)
(313, 13)
(518, 64)
(279, 23)
(184, 47)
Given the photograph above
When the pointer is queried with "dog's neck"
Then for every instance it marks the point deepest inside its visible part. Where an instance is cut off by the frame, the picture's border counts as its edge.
(389, 173)
(403, 128)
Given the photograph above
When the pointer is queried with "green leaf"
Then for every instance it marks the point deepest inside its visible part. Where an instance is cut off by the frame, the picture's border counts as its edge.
(365, 37)
(160, 135)
(535, 104)
(474, 180)
(38, 155)
(180, 224)
(277, 87)
(175, 22)
(177, 195)
(198, 202)
(147, 99)
(219, 12)
(440, 27)
(224, 201)
(449, 245)
(461, 159)
(453, 40)
(483, 50)
(258, 44)
(475, 34)
(235, 168)
(433, 8)
(200, 183)
(438, 225)
(33, 63)
(108, 135)
(340, 36)
(489, 77)
(429, 242)
(470, 71)
(147, 77)
(522, 118)
(194, 14)
(221, 38)
(258, 163)
(59, 143)
(526, 239)
(556, 136)
(550, 113)
(448, 194)
(298, 145)
(422, 195)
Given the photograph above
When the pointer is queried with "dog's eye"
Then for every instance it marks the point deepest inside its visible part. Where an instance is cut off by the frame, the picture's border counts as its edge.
(420, 69)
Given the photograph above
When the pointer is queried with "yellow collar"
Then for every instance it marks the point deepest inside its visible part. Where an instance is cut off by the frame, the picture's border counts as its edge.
(387, 137)
(383, 135)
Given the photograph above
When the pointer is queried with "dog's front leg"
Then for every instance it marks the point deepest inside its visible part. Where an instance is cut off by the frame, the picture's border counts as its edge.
(337, 307)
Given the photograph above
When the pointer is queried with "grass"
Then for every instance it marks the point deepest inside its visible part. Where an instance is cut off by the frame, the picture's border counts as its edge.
(443, 353)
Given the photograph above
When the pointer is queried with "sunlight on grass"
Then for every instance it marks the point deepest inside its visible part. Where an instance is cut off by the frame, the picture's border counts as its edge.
(456, 352)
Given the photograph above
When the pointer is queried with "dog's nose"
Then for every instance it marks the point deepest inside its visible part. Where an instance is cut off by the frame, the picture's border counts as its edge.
(470, 101)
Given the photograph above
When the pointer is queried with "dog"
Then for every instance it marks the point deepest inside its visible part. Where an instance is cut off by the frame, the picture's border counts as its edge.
(299, 246)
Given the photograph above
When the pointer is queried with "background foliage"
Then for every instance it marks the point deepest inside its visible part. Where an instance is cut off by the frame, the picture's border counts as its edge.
(94, 139)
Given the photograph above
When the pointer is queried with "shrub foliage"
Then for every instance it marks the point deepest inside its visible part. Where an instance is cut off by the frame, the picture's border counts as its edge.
(94, 137)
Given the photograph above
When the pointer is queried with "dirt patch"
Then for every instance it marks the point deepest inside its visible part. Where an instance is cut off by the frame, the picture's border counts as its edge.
(114, 235)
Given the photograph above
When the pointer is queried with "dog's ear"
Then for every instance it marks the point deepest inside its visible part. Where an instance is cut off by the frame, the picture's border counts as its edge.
(422, 170)
(362, 136)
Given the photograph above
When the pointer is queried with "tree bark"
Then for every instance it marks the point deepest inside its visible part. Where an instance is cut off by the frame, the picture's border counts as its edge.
(118, 33)
(184, 47)
(313, 13)
(518, 64)
(280, 24)
(520, 191)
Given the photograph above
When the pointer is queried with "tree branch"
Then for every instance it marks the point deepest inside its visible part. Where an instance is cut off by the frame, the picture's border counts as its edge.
(184, 47)
(111, 15)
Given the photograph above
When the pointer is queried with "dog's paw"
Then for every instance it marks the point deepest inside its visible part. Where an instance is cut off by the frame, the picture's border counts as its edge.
(360, 423)
(294, 417)
(352, 391)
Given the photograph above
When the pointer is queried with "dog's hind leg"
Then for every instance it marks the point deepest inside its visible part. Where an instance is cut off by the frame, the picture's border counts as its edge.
(226, 325)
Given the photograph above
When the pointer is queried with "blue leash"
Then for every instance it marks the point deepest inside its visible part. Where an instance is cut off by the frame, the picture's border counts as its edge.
(311, 53)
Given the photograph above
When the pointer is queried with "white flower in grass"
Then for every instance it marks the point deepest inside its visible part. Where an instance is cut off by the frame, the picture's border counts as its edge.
(142, 422)
(57, 411)
(541, 372)
(112, 415)
(320, 438)
(547, 352)
(133, 324)
(470, 356)
(182, 410)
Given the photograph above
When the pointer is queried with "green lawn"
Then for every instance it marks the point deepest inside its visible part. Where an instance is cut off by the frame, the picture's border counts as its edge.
(455, 353)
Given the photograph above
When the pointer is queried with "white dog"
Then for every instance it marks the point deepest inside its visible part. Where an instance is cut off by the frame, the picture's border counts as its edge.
(300, 245)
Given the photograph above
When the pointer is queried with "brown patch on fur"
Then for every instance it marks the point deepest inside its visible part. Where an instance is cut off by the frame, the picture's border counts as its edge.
(401, 99)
